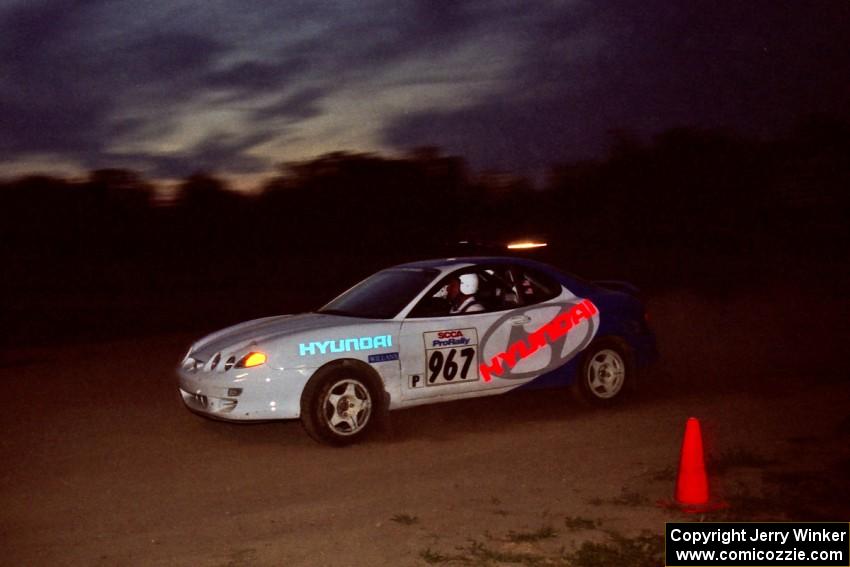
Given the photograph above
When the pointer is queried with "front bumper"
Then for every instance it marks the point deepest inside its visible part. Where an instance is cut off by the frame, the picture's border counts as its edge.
(261, 393)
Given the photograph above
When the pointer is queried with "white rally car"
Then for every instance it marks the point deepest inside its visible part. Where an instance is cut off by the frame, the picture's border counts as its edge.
(422, 333)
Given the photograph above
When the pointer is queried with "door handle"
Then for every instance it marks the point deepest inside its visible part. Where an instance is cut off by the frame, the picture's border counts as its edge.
(520, 320)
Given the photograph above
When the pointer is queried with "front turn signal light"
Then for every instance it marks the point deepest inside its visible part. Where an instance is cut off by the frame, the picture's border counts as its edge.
(251, 359)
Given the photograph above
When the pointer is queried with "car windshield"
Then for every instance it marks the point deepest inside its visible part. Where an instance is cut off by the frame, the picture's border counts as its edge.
(382, 295)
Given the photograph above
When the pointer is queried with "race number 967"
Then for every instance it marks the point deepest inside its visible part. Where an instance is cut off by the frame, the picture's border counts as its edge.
(451, 356)
(445, 365)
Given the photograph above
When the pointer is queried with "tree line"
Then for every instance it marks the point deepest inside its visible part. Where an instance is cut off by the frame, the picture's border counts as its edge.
(689, 191)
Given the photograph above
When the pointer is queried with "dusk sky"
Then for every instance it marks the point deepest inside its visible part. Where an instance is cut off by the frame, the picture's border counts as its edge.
(169, 87)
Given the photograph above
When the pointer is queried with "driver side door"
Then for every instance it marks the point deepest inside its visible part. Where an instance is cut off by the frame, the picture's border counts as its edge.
(442, 353)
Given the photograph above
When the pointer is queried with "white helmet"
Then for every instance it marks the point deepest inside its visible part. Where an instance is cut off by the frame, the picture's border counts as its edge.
(468, 284)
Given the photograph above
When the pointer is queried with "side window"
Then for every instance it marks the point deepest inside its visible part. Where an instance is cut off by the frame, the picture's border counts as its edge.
(468, 291)
(532, 286)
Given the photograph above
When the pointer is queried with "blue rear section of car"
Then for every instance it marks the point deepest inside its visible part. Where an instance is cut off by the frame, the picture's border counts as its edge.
(621, 315)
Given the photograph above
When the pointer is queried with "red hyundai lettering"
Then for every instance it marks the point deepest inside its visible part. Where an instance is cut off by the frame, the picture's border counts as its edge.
(554, 329)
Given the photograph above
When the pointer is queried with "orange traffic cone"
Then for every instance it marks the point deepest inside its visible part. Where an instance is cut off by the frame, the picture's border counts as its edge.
(692, 482)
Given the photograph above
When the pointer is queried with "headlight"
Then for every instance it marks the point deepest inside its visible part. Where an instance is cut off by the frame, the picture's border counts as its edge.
(251, 359)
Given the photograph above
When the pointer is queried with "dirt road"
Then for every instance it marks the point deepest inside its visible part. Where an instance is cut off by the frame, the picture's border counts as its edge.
(102, 466)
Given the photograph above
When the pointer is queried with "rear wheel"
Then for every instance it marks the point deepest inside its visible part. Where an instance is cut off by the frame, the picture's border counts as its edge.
(605, 370)
(341, 406)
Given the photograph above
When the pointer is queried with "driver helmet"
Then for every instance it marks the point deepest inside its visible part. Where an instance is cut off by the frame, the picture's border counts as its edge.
(468, 284)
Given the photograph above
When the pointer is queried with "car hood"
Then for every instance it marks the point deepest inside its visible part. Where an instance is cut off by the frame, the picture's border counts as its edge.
(267, 328)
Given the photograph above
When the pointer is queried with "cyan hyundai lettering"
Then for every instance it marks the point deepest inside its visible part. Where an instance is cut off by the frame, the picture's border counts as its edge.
(346, 345)
(422, 333)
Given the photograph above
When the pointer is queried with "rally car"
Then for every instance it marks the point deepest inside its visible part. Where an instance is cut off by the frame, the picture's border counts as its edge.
(422, 333)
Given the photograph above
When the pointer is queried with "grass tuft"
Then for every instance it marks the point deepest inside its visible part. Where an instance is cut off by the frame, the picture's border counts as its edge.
(433, 557)
(544, 532)
(642, 551)
(478, 554)
(405, 519)
(577, 523)
(630, 498)
(667, 474)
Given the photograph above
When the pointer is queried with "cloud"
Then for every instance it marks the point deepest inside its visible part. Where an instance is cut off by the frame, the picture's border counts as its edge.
(257, 76)
(102, 81)
(645, 67)
(299, 105)
(65, 86)
(218, 153)
(183, 86)
(41, 101)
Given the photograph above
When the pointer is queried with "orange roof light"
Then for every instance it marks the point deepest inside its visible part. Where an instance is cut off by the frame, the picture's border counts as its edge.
(525, 244)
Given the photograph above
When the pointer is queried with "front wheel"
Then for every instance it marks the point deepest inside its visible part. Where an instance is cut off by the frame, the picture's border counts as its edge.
(340, 407)
(604, 372)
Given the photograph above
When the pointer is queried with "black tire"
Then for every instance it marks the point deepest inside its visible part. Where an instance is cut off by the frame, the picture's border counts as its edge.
(342, 405)
(606, 373)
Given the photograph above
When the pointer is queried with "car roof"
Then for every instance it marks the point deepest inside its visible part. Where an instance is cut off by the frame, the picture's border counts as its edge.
(573, 282)
(443, 263)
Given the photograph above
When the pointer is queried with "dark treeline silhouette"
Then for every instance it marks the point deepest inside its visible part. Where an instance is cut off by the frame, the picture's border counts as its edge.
(688, 207)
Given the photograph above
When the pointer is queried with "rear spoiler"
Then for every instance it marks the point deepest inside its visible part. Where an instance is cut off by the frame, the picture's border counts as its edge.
(617, 285)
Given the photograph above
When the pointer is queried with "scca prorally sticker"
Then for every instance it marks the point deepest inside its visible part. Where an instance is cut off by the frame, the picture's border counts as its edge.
(451, 356)
(345, 345)
(553, 334)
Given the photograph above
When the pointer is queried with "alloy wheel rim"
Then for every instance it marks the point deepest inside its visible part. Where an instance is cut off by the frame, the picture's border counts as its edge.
(606, 374)
(347, 407)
